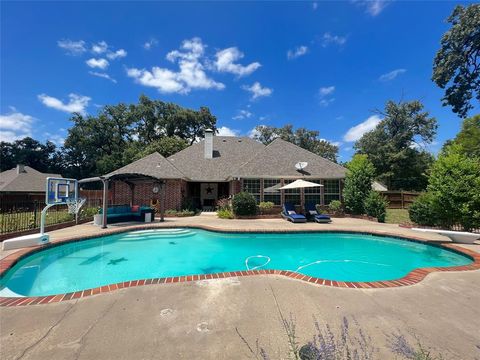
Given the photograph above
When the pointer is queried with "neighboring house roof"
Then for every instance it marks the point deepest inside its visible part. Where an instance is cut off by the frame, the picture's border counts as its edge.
(229, 153)
(28, 180)
(154, 165)
(378, 186)
(278, 159)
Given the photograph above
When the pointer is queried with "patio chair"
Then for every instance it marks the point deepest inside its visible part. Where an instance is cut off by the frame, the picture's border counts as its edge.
(289, 214)
(313, 214)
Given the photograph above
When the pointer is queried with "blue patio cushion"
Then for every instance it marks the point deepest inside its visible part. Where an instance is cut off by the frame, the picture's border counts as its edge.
(296, 216)
(321, 216)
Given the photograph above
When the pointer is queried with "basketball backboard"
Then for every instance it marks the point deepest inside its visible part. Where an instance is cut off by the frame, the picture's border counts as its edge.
(61, 191)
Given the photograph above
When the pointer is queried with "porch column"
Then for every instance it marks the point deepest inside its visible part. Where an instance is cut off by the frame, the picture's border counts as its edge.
(163, 189)
(322, 193)
(282, 192)
(105, 202)
(132, 192)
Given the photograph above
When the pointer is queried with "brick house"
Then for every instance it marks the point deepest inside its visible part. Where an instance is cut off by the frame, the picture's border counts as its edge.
(220, 166)
(21, 185)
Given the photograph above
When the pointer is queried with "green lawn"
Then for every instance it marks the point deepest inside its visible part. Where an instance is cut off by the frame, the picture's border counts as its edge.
(397, 216)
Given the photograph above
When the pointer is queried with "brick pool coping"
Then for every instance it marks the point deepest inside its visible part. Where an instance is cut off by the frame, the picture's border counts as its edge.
(413, 277)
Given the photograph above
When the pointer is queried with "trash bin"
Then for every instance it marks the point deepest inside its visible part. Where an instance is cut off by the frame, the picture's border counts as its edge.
(148, 217)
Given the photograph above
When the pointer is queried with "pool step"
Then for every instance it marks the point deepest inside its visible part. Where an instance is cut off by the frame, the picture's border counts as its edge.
(157, 233)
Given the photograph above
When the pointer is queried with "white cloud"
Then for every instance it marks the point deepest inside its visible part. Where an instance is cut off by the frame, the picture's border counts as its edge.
(356, 132)
(191, 73)
(242, 114)
(324, 94)
(324, 91)
(97, 63)
(15, 126)
(103, 75)
(297, 52)
(314, 5)
(392, 74)
(76, 103)
(100, 47)
(55, 138)
(72, 47)
(372, 7)
(150, 44)
(226, 131)
(226, 62)
(257, 90)
(328, 39)
(120, 53)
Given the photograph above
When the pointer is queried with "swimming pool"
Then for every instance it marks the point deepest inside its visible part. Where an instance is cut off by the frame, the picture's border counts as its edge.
(157, 253)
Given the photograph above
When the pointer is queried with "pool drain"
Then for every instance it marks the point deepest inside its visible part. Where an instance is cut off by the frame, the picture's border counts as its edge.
(256, 257)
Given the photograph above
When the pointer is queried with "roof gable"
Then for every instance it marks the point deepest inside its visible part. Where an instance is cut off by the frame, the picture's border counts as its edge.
(229, 153)
(278, 159)
(30, 180)
(153, 165)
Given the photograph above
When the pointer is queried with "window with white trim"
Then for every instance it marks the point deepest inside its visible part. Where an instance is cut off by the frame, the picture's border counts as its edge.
(331, 190)
(314, 194)
(292, 195)
(252, 186)
(274, 195)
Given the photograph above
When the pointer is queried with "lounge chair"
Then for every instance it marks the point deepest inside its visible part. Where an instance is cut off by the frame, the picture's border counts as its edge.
(288, 213)
(313, 214)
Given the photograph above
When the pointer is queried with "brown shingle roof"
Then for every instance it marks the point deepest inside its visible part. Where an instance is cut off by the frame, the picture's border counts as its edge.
(154, 165)
(229, 153)
(278, 159)
(30, 180)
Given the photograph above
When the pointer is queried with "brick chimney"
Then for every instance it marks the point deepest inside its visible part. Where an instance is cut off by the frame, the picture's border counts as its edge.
(208, 143)
(20, 168)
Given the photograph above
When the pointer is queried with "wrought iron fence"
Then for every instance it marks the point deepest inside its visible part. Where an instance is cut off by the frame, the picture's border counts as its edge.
(16, 216)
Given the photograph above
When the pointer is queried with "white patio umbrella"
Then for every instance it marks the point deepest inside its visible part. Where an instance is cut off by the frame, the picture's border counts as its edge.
(300, 184)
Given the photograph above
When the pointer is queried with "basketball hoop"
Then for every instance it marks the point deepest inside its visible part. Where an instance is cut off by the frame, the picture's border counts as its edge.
(74, 205)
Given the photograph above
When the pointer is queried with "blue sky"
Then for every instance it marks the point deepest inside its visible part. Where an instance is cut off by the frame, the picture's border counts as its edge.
(321, 65)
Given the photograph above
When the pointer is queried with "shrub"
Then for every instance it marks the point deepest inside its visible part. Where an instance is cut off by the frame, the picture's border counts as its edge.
(335, 207)
(187, 204)
(224, 204)
(171, 212)
(375, 205)
(421, 212)
(358, 183)
(225, 214)
(264, 206)
(244, 204)
(454, 185)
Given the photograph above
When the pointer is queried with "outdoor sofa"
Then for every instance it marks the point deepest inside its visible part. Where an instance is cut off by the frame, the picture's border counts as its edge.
(289, 214)
(124, 213)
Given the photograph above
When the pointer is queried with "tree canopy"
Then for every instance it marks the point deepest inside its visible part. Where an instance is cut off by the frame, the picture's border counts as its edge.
(456, 66)
(468, 139)
(396, 145)
(42, 157)
(306, 139)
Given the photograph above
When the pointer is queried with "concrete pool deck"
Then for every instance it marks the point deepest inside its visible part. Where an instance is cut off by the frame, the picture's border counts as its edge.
(198, 319)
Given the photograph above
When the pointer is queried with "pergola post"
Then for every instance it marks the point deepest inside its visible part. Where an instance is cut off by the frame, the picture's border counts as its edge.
(105, 202)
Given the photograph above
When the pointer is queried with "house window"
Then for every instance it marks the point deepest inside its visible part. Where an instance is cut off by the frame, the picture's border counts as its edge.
(313, 194)
(274, 195)
(292, 195)
(252, 186)
(332, 190)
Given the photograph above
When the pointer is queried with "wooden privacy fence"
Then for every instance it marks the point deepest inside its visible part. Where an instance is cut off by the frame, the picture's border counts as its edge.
(400, 199)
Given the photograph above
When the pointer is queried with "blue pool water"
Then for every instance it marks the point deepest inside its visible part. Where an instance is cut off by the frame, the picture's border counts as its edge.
(159, 253)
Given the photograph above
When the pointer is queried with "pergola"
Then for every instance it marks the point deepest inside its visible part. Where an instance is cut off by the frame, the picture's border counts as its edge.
(153, 167)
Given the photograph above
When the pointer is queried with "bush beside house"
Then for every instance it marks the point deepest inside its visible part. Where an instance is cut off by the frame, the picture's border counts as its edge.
(244, 204)
(453, 192)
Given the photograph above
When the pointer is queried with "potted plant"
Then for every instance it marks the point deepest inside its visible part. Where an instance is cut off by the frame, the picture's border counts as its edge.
(98, 217)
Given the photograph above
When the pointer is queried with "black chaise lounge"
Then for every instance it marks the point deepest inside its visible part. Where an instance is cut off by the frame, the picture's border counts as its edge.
(313, 214)
(288, 213)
